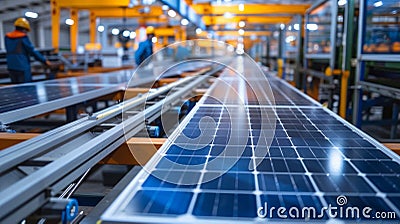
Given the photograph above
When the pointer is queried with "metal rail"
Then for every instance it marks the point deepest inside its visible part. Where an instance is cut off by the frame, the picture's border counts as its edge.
(33, 191)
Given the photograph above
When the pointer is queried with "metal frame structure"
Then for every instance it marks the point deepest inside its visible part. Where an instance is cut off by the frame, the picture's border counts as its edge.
(329, 57)
(293, 63)
(360, 82)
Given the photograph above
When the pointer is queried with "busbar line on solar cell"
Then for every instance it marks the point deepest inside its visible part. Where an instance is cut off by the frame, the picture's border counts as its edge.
(268, 192)
(314, 157)
(203, 171)
(290, 90)
(307, 173)
(359, 173)
(280, 91)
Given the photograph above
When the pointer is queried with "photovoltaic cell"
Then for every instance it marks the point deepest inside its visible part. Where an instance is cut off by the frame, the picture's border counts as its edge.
(311, 159)
(71, 91)
(23, 96)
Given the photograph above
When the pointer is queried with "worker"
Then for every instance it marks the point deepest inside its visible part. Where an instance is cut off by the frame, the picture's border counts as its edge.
(145, 48)
(19, 49)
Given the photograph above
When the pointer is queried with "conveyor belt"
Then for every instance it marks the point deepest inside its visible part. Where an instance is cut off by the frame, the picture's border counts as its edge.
(217, 166)
(69, 151)
(27, 100)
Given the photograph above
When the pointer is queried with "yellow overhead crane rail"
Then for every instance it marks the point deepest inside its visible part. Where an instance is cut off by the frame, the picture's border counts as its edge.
(136, 11)
(246, 33)
(220, 20)
(92, 3)
(251, 14)
(205, 9)
(99, 9)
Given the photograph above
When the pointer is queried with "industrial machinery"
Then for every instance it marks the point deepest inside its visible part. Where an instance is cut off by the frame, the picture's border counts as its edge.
(291, 51)
(378, 64)
(273, 50)
(324, 26)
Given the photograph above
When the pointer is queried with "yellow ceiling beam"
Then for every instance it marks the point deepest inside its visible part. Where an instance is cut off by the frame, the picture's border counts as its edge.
(251, 9)
(219, 20)
(166, 31)
(152, 20)
(246, 33)
(155, 11)
(87, 4)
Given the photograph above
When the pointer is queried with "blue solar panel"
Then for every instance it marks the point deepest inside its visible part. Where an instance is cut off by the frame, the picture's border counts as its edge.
(312, 158)
(15, 97)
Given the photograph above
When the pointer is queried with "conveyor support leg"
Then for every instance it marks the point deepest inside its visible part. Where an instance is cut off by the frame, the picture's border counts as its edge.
(395, 115)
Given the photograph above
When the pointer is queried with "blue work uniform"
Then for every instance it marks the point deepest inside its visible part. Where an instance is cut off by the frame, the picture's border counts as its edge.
(19, 49)
(144, 51)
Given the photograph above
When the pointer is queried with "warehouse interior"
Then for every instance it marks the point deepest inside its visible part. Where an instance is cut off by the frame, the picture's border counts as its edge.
(199, 111)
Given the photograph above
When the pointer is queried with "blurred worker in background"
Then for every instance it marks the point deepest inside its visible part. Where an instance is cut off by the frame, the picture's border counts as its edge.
(145, 48)
(19, 49)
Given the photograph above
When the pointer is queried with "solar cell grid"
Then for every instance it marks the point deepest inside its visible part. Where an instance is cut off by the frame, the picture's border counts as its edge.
(312, 158)
(28, 95)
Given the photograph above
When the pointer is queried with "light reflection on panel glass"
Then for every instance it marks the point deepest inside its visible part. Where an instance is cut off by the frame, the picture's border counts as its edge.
(382, 34)
(41, 93)
(335, 161)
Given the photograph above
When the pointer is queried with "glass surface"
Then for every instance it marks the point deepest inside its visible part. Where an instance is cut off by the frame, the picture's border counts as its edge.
(318, 28)
(382, 28)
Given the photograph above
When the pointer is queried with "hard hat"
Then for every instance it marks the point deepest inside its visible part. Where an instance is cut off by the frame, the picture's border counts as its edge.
(23, 23)
(150, 30)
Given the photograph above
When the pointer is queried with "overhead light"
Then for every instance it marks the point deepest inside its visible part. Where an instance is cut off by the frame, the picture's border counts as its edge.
(145, 9)
(282, 26)
(342, 2)
(296, 26)
(378, 3)
(198, 31)
(184, 22)
(165, 7)
(115, 31)
(227, 0)
(242, 24)
(126, 33)
(241, 32)
(148, 2)
(171, 13)
(32, 15)
(312, 26)
(154, 40)
(241, 7)
(69, 22)
(132, 35)
(100, 28)
(228, 15)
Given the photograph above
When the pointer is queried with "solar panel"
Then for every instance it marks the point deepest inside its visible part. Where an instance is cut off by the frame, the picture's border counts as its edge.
(27, 95)
(313, 160)
(27, 100)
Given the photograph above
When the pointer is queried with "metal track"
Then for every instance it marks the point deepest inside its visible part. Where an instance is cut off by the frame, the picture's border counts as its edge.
(31, 192)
